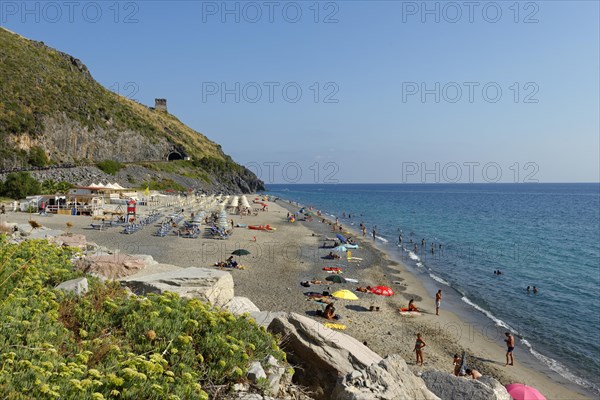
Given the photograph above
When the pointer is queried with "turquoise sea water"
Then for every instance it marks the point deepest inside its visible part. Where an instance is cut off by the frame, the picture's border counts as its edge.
(544, 235)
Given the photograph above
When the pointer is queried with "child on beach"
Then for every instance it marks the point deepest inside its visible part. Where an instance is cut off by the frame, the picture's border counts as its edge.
(419, 344)
(474, 373)
(438, 301)
(457, 362)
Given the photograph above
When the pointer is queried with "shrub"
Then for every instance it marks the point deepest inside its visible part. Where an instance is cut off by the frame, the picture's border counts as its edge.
(19, 185)
(107, 344)
(110, 166)
(37, 157)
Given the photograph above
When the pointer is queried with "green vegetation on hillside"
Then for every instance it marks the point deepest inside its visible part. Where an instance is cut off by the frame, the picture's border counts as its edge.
(37, 82)
(107, 344)
(110, 166)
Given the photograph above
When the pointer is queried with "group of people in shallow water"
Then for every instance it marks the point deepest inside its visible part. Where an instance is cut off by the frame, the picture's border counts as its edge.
(534, 290)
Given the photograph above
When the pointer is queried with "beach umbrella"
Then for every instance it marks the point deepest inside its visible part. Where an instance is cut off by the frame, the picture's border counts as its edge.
(336, 279)
(518, 391)
(240, 252)
(341, 237)
(382, 291)
(344, 294)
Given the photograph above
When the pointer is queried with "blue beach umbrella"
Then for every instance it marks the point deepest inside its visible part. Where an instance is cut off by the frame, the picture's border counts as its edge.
(341, 237)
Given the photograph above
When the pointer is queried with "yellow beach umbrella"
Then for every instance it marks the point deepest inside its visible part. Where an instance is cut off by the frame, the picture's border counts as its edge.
(344, 294)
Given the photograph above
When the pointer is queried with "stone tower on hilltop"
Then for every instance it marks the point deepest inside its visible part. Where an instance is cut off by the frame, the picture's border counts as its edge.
(160, 104)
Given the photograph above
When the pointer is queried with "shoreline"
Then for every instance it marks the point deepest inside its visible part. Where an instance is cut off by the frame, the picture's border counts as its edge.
(280, 260)
(469, 322)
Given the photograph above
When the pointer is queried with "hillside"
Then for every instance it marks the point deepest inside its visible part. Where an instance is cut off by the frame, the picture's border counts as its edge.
(50, 105)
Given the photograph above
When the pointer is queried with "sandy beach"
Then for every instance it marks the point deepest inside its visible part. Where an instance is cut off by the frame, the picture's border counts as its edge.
(280, 260)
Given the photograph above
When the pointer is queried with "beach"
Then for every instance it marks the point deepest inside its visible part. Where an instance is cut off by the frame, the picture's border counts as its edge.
(279, 260)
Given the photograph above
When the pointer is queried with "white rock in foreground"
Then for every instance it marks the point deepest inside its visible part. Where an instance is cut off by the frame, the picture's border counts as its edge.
(390, 379)
(328, 358)
(240, 305)
(213, 286)
(78, 286)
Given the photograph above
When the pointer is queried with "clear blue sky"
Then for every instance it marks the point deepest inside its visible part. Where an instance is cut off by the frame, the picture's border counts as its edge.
(374, 58)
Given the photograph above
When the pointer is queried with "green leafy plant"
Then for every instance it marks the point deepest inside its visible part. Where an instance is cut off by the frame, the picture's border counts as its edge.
(38, 157)
(19, 185)
(110, 166)
(107, 344)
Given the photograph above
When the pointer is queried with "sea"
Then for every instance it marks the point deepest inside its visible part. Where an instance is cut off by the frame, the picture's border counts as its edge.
(536, 234)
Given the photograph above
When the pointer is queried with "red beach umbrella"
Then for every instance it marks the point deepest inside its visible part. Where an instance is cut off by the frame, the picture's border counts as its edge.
(382, 291)
(518, 391)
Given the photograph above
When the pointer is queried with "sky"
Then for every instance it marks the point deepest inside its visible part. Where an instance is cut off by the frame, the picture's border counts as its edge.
(354, 91)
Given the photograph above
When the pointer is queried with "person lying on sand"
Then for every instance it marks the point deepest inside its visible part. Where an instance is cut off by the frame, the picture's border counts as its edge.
(364, 289)
(474, 373)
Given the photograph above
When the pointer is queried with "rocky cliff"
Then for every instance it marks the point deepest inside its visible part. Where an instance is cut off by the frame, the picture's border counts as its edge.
(53, 112)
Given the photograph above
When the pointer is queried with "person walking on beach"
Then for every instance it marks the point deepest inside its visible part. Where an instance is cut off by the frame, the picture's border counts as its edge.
(419, 344)
(438, 301)
(510, 344)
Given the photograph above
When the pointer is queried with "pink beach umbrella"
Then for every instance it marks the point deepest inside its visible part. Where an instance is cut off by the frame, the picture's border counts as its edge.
(518, 391)
(382, 291)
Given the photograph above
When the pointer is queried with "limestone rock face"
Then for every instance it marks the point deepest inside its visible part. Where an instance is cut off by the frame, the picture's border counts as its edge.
(70, 241)
(390, 379)
(78, 286)
(111, 266)
(213, 286)
(324, 355)
(264, 318)
(450, 387)
(240, 305)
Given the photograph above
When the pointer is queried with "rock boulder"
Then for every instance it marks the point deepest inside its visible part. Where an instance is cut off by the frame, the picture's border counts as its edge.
(323, 356)
(390, 379)
(450, 387)
(240, 305)
(79, 286)
(111, 266)
(213, 286)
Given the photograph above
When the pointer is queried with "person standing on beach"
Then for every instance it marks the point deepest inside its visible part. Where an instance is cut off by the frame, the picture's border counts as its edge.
(374, 233)
(438, 301)
(364, 230)
(510, 344)
(420, 343)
